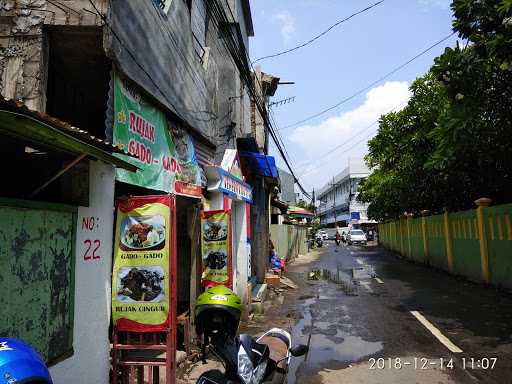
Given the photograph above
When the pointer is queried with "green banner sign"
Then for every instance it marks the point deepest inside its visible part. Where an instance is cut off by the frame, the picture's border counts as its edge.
(141, 130)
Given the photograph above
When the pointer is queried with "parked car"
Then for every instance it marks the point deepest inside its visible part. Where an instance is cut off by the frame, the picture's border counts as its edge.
(325, 235)
(356, 236)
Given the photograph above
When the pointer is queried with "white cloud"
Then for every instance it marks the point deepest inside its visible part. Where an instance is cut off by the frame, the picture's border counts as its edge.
(318, 139)
(287, 24)
(443, 4)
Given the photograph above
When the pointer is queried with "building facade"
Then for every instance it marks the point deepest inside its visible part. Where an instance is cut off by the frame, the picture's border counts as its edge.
(110, 69)
(287, 189)
(337, 199)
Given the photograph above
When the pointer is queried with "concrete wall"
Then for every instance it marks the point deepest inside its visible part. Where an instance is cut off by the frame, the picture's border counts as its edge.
(206, 92)
(22, 47)
(90, 362)
(289, 240)
(240, 251)
(476, 244)
(260, 221)
(287, 186)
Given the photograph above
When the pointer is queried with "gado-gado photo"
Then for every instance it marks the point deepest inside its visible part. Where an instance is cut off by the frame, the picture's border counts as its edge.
(215, 230)
(140, 284)
(216, 260)
(143, 232)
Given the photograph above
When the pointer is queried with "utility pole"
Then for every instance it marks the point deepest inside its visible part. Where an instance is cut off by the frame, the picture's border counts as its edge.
(334, 203)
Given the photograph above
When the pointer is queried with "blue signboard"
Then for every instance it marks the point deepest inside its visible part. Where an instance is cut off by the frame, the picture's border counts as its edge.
(355, 216)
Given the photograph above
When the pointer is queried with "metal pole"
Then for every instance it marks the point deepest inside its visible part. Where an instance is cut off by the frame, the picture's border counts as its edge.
(335, 217)
(58, 174)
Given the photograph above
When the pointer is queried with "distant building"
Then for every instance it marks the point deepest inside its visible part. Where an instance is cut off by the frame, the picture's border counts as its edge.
(338, 197)
(287, 187)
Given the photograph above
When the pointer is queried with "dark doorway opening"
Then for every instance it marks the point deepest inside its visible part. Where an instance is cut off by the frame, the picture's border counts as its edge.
(78, 77)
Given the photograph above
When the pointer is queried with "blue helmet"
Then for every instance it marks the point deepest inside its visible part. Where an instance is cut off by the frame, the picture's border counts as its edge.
(20, 364)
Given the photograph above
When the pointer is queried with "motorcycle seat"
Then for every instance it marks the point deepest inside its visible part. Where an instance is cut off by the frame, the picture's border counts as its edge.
(257, 352)
(278, 349)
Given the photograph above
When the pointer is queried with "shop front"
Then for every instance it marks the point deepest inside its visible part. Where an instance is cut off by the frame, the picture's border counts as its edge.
(156, 272)
(226, 227)
(56, 226)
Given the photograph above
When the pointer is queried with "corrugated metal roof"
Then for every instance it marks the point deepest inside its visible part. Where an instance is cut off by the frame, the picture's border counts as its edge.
(19, 107)
(19, 122)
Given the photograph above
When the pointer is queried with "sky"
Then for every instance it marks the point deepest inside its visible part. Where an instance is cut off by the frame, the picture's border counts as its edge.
(348, 59)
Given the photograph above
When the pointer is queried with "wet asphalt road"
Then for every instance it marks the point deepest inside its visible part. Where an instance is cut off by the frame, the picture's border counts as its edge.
(349, 325)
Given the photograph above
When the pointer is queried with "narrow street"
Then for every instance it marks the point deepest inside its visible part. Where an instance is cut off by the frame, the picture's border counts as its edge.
(350, 326)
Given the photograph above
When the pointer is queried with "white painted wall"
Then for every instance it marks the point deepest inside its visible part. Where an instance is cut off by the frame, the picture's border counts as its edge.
(240, 250)
(90, 362)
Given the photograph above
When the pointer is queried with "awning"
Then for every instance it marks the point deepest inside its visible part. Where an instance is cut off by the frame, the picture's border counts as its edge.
(260, 164)
(281, 205)
(222, 181)
(300, 212)
(27, 126)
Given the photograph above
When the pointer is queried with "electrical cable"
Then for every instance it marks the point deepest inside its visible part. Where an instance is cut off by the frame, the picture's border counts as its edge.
(362, 90)
(132, 56)
(348, 149)
(294, 163)
(324, 155)
(241, 61)
(320, 34)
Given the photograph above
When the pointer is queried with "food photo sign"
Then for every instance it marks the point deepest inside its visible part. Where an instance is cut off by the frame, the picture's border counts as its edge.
(163, 151)
(140, 278)
(216, 248)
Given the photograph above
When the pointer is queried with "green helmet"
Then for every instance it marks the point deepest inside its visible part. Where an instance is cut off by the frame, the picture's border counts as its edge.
(218, 309)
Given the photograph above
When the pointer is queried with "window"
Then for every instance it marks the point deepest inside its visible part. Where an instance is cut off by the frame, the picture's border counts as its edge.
(164, 5)
(199, 23)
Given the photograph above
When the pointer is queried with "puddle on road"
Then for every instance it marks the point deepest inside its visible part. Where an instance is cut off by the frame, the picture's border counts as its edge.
(330, 338)
(349, 280)
(341, 347)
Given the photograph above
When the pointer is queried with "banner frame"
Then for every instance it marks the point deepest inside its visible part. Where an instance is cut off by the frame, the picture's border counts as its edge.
(206, 215)
(126, 325)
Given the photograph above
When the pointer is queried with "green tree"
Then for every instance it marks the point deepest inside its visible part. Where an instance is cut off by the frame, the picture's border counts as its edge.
(399, 154)
(451, 143)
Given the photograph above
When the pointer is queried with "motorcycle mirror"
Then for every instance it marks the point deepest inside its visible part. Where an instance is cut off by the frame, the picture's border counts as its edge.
(299, 350)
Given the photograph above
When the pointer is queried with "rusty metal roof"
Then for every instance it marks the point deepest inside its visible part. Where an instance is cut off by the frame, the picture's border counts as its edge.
(18, 121)
(19, 107)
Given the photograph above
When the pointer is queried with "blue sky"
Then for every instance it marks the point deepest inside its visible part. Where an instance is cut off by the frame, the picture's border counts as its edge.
(347, 59)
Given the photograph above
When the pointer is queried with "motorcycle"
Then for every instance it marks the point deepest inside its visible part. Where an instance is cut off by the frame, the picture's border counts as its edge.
(250, 361)
(319, 241)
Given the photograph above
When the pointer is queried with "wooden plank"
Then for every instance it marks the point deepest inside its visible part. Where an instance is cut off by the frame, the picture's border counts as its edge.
(286, 281)
(7, 202)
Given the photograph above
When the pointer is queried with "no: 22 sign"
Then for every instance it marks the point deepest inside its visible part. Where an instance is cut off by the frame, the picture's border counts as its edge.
(91, 247)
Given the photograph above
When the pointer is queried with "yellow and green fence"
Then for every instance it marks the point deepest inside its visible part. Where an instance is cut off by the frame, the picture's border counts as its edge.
(289, 240)
(476, 243)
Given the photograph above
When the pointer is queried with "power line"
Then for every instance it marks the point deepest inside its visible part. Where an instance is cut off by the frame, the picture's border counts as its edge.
(359, 92)
(132, 56)
(352, 137)
(241, 62)
(319, 35)
(240, 58)
(284, 147)
(324, 155)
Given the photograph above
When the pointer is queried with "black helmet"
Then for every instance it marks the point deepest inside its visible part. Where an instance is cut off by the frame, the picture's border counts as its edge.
(218, 309)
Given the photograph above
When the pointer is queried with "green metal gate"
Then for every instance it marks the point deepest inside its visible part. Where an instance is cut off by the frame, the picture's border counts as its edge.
(37, 275)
